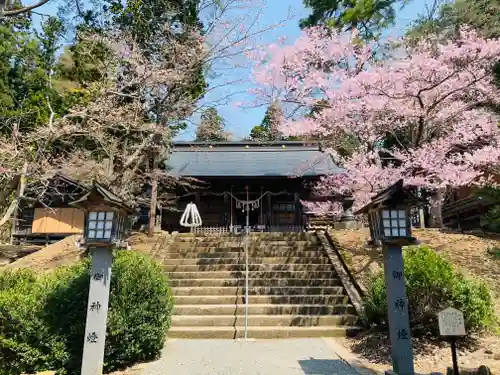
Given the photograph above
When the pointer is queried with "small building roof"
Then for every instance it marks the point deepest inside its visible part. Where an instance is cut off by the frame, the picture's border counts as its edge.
(250, 159)
(99, 193)
(396, 194)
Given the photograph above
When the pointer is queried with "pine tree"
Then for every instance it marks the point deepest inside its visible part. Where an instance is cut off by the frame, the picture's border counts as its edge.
(269, 129)
(211, 128)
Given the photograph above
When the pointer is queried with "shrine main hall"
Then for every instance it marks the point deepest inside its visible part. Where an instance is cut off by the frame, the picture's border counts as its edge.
(273, 176)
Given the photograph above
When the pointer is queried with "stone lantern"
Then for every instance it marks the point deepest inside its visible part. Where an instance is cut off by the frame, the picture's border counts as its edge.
(106, 224)
(106, 220)
(390, 226)
(389, 215)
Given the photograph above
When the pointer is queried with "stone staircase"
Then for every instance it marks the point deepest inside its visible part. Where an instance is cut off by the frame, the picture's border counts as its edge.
(294, 290)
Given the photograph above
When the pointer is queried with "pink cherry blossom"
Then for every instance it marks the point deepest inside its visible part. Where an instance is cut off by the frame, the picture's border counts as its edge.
(429, 98)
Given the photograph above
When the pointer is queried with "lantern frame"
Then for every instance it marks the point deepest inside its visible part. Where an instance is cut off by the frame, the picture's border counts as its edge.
(99, 204)
(389, 215)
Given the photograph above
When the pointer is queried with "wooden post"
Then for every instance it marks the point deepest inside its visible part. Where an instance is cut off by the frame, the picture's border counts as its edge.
(454, 357)
(296, 200)
(270, 210)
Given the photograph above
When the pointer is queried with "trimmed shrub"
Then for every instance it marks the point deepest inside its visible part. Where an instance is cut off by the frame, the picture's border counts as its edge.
(432, 285)
(26, 341)
(42, 320)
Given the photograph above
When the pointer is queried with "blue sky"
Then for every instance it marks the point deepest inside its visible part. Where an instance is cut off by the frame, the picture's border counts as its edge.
(240, 121)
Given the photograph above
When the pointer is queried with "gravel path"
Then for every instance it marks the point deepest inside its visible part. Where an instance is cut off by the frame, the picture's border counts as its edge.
(259, 357)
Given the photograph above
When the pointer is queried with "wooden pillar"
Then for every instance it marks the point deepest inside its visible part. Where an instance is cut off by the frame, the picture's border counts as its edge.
(154, 198)
(159, 219)
(298, 218)
(270, 209)
(226, 213)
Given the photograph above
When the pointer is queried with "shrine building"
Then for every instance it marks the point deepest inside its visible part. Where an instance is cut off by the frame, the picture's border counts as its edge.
(274, 176)
(220, 178)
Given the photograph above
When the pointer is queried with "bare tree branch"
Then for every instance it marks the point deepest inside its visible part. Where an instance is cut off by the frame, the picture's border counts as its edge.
(16, 12)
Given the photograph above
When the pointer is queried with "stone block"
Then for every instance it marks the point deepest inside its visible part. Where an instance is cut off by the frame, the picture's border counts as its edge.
(346, 225)
(481, 370)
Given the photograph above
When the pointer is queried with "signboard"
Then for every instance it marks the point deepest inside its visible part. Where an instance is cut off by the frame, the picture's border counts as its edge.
(451, 322)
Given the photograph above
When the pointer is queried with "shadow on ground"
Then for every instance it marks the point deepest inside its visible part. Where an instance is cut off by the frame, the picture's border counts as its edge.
(314, 366)
(375, 346)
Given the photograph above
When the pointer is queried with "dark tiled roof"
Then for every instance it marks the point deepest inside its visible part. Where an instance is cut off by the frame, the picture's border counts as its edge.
(248, 159)
(100, 192)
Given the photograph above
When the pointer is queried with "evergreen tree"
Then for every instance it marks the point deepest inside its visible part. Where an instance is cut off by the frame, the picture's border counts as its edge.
(31, 89)
(482, 15)
(368, 16)
(269, 130)
(211, 128)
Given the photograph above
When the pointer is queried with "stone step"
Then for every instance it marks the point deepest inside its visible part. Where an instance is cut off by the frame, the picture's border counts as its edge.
(253, 235)
(334, 281)
(263, 299)
(252, 267)
(306, 275)
(262, 290)
(194, 255)
(263, 320)
(263, 253)
(241, 260)
(264, 309)
(184, 247)
(240, 242)
(261, 332)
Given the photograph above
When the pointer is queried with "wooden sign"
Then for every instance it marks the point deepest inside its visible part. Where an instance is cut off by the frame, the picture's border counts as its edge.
(451, 322)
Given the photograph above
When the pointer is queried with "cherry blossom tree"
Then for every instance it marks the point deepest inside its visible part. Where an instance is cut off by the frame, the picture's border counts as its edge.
(421, 114)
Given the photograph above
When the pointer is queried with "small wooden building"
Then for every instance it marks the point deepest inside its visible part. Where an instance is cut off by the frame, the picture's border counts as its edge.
(48, 218)
(275, 176)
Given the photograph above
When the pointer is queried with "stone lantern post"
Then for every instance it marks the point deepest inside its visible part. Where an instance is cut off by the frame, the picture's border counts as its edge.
(390, 226)
(106, 223)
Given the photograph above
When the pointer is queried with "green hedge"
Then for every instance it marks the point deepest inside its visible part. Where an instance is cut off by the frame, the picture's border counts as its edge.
(432, 285)
(42, 319)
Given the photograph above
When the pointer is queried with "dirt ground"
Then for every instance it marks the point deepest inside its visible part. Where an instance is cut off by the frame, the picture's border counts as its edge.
(469, 253)
(66, 252)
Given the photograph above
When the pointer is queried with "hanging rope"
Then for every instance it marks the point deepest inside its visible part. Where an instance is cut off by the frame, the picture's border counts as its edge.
(191, 217)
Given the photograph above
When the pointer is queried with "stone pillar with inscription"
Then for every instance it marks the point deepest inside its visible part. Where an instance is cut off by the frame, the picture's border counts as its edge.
(397, 307)
(97, 311)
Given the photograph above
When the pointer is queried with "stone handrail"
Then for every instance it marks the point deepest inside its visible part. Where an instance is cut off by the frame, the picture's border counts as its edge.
(342, 271)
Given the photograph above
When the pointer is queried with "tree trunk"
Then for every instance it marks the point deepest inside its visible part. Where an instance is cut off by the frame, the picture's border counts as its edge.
(436, 219)
(12, 210)
(13, 184)
(154, 197)
(421, 213)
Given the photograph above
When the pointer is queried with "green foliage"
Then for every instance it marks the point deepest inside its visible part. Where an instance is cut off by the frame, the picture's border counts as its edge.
(481, 15)
(259, 133)
(268, 130)
(432, 285)
(29, 74)
(494, 252)
(492, 218)
(42, 320)
(145, 21)
(211, 128)
(368, 16)
(144, 18)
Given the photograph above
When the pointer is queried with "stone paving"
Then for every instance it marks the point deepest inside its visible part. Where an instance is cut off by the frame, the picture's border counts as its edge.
(250, 357)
